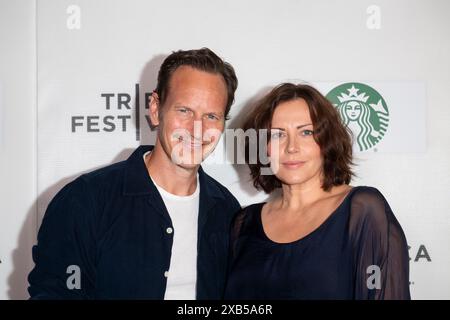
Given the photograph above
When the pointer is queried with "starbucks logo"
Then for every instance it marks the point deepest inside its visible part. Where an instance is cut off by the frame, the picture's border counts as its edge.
(363, 110)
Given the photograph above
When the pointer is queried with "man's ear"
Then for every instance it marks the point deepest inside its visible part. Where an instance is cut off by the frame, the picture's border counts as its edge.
(154, 109)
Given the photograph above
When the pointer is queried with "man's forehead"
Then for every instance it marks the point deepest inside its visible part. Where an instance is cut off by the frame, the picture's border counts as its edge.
(192, 86)
(190, 76)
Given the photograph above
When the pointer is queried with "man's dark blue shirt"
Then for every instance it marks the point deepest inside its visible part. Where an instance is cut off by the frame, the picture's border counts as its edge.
(111, 224)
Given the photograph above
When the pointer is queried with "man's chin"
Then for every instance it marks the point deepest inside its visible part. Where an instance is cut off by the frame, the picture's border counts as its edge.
(188, 161)
(188, 166)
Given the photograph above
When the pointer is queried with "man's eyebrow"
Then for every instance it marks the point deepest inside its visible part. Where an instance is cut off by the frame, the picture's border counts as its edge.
(180, 105)
(215, 113)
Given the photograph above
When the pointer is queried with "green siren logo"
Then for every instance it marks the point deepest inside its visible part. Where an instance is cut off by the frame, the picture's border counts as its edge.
(363, 110)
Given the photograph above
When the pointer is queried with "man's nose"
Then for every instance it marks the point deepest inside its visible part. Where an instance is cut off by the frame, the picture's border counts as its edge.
(196, 128)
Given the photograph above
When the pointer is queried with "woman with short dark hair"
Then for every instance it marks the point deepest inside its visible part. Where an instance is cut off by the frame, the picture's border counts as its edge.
(320, 238)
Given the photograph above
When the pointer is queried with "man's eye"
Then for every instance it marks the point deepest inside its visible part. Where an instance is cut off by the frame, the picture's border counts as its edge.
(212, 117)
(184, 111)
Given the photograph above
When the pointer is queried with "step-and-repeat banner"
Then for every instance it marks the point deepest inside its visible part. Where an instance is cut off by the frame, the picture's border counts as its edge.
(98, 62)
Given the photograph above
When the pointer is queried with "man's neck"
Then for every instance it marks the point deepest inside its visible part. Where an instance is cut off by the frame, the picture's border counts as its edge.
(170, 176)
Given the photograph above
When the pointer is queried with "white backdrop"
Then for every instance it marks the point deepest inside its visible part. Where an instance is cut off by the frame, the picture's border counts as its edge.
(74, 100)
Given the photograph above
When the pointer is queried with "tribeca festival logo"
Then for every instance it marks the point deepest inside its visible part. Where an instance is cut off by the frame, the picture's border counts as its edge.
(363, 110)
(121, 103)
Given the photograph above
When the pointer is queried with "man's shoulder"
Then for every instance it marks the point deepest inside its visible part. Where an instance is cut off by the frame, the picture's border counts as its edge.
(106, 174)
(109, 177)
(215, 185)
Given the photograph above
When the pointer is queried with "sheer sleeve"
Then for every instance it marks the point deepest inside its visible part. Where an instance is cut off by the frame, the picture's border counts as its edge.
(236, 227)
(380, 251)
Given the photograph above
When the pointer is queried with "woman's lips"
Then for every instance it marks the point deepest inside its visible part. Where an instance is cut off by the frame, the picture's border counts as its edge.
(293, 164)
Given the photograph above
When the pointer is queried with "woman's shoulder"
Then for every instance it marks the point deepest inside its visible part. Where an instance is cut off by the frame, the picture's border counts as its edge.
(367, 196)
(255, 207)
(249, 211)
(368, 204)
(367, 192)
(246, 216)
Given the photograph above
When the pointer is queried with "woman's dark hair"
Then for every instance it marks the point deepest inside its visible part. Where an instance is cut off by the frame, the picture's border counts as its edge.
(202, 59)
(332, 136)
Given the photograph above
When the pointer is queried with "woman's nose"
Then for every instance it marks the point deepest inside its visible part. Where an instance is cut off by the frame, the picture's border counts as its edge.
(292, 146)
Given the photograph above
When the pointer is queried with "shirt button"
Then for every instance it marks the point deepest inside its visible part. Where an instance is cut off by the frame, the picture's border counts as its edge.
(166, 274)
(169, 230)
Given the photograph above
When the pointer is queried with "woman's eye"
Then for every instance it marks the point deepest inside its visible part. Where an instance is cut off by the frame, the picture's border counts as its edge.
(276, 135)
(307, 132)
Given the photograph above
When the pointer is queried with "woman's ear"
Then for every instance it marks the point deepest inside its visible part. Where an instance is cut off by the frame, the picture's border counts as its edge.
(154, 109)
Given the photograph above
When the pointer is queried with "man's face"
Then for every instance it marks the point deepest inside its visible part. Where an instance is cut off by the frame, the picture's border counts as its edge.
(192, 117)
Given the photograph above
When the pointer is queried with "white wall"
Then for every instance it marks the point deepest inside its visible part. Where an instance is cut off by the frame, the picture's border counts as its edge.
(17, 145)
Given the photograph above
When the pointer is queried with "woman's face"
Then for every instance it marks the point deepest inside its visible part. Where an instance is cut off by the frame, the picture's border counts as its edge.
(353, 110)
(295, 157)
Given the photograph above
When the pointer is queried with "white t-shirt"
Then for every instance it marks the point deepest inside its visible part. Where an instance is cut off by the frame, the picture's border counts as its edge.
(182, 274)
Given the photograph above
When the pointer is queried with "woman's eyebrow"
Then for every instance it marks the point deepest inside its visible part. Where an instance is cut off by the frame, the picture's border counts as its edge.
(298, 127)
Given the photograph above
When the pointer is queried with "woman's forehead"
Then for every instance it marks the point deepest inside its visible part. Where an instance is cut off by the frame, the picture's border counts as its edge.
(294, 112)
